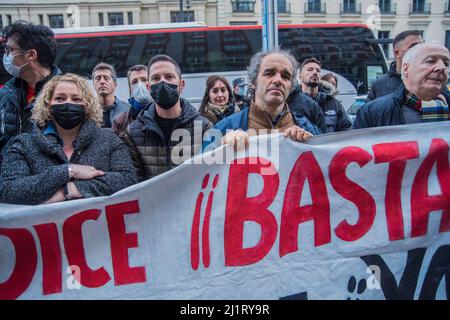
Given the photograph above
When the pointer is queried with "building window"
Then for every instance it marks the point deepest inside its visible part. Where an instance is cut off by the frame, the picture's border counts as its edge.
(420, 7)
(187, 16)
(41, 18)
(1, 21)
(243, 5)
(313, 6)
(56, 20)
(130, 17)
(385, 46)
(387, 7)
(115, 18)
(9, 18)
(101, 22)
(283, 6)
(349, 6)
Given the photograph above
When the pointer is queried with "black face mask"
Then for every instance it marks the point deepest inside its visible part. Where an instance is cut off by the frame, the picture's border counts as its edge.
(165, 94)
(68, 115)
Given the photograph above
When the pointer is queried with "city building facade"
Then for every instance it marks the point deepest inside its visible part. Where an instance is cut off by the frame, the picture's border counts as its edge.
(387, 17)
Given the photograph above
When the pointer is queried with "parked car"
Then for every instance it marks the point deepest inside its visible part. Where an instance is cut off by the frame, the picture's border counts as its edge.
(354, 107)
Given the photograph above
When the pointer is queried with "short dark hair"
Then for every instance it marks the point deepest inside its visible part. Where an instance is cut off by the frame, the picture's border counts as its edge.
(405, 34)
(210, 82)
(328, 76)
(37, 37)
(310, 60)
(164, 57)
(137, 67)
(105, 66)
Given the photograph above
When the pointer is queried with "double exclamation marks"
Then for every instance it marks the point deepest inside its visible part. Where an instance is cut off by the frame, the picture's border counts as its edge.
(195, 233)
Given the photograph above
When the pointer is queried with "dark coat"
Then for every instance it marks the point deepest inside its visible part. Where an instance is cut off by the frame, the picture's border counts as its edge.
(385, 111)
(151, 154)
(302, 104)
(336, 117)
(386, 84)
(15, 112)
(113, 111)
(35, 165)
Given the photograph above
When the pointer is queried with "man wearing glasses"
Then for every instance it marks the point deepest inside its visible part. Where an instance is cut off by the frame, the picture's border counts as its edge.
(30, 51)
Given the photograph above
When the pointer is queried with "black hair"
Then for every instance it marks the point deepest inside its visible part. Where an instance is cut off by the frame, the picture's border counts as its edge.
(405, 34)
(30, 36)
(163, 57)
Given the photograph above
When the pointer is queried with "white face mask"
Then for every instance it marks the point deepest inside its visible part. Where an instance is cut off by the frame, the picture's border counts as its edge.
(141, 94)
(10, 67)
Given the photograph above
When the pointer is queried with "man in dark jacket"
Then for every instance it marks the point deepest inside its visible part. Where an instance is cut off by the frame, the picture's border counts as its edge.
(420, 98)
(170, 130)
(30, 52)
(390, 82)
(304, 105)
(336, 118)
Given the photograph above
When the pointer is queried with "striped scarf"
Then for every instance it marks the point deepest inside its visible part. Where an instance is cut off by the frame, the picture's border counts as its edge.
(434, 110)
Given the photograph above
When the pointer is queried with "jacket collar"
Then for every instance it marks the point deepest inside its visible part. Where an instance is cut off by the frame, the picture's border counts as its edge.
(149, 121)
(49, 143)
(20, 83)
(392, 72)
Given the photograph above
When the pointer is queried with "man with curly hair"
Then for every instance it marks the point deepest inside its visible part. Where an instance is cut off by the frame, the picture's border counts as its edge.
(30, 52)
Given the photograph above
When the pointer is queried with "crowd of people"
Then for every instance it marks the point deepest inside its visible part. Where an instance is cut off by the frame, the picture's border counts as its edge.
(60, 140)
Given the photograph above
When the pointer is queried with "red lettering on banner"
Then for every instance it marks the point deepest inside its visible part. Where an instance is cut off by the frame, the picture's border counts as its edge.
(305, 168)
(25, 266)
(396, 154)
(121, 242)
(352, 192)
(73, 243)
(51, 258)
(241, 208)
(421, 202)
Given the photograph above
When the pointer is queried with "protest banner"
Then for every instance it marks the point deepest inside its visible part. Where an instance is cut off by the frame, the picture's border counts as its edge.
(354, 215)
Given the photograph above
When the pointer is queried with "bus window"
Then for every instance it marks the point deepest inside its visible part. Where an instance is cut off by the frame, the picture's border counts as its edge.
(373, 73)
(79, 55)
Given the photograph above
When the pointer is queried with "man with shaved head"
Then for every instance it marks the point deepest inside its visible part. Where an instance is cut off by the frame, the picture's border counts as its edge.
(389, 82)
(420, 98)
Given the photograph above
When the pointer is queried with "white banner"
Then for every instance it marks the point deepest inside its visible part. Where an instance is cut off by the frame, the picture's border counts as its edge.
(355, 215)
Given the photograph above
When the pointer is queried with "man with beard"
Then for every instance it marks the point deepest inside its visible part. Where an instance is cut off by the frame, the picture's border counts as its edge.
(272, 74)
(170, 130)
(335, 115)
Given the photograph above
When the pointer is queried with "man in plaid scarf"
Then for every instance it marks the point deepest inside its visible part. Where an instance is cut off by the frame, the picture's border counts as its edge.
(421, 98)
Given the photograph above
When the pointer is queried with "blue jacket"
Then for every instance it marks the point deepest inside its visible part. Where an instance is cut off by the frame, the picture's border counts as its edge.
(385, 111)
(240, 121)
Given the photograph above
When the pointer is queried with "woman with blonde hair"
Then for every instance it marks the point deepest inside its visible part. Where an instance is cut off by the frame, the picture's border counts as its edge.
(68, 155)
(218, 100)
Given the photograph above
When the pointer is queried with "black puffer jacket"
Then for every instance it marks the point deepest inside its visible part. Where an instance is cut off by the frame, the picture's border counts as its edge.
(14, 111)
(336, 117)
(151, 153)
(386, 84)
(35, 165)
(303, 105)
